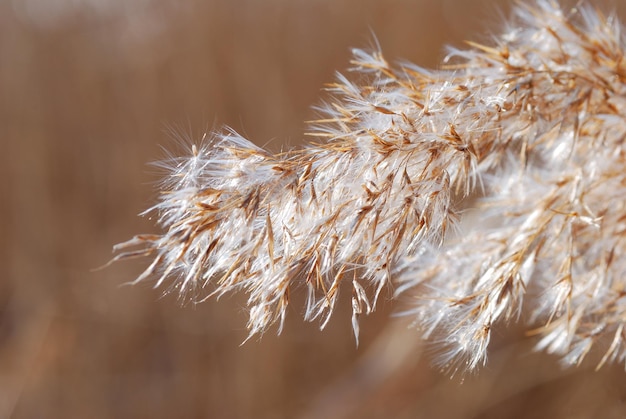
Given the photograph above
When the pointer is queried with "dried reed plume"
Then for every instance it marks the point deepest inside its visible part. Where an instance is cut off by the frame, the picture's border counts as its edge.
(498, 180)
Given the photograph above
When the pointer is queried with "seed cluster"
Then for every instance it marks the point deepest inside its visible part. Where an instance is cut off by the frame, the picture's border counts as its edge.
(489, 190)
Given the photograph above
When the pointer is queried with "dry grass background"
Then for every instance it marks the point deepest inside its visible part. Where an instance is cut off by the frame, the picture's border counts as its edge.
(87, 91)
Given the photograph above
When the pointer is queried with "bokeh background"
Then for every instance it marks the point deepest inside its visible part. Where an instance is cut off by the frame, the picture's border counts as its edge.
(91, 91)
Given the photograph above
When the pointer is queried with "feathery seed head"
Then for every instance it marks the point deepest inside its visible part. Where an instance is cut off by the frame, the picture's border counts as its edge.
(492, 187)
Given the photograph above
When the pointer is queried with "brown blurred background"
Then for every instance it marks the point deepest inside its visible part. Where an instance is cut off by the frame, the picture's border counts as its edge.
(90, 91)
